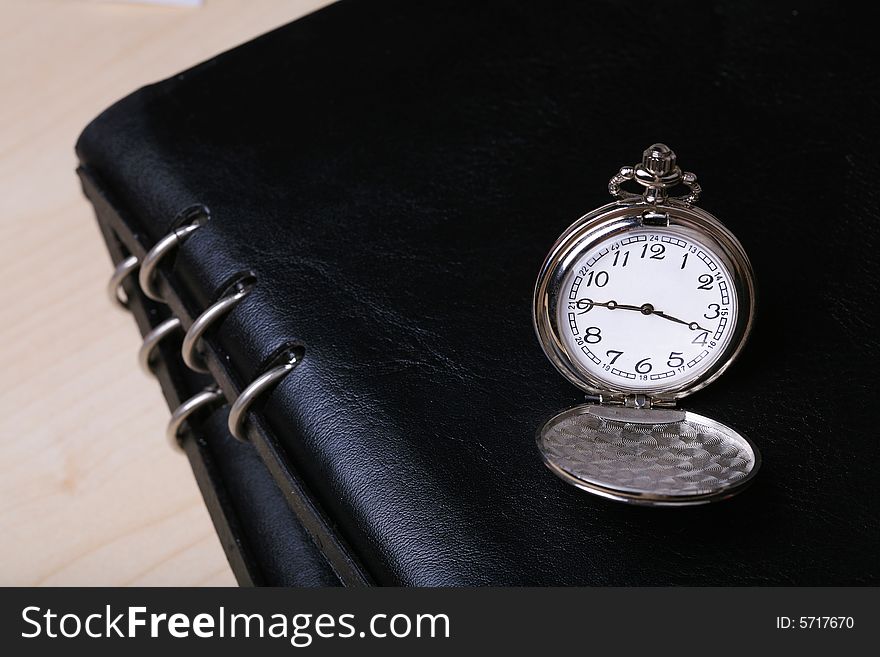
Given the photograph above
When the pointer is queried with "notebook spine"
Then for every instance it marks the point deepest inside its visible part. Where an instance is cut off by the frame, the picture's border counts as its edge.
(181, 423)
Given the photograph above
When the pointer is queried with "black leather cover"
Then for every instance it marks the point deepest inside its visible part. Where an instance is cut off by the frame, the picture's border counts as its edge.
(393, 174)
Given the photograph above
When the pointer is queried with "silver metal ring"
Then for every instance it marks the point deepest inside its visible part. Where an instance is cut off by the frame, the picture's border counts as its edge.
(152, 339)
(210, 396)
(147, 275)
(239, 409)
(114, 286)
(189, 349)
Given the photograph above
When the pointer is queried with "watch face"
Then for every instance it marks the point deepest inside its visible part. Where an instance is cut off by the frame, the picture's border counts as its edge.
(647, 310)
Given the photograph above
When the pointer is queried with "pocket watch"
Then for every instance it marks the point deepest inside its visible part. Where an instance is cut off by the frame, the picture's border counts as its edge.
(640, 303)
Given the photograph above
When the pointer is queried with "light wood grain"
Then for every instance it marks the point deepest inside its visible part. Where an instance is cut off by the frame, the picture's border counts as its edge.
(90, 494)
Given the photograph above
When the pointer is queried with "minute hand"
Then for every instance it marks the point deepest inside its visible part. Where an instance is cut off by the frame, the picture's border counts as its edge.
(691, 325)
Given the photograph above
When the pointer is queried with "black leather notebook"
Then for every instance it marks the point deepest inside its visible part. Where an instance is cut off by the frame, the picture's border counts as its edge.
(386, 178)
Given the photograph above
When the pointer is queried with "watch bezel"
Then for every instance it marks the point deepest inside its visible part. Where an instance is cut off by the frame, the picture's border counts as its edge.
(619, 217)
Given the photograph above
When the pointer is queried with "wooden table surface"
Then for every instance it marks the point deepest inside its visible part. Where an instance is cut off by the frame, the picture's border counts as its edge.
(90, 493)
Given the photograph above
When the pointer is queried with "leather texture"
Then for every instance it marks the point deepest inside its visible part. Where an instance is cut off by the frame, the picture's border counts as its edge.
(393, 174)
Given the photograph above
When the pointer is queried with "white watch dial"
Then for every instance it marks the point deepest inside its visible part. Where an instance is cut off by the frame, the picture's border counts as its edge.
(647, 310)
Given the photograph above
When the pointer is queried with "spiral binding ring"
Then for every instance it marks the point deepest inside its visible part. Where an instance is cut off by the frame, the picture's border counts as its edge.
(238, 411)
(147, 275)
(189, 349)
(208, 397)
(114, 286)
(152, 340)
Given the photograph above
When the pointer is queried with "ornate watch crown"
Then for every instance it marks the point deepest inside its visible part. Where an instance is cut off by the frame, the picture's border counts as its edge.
(657, 173)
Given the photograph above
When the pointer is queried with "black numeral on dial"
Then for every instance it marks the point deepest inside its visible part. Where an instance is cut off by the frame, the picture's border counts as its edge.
(584, 305)
(658, 251)
(705, 282)
(675, 359)
(617, 354)
(593, 335)
(701, 338)
(715, 309)
(643, 366)
(599, 278)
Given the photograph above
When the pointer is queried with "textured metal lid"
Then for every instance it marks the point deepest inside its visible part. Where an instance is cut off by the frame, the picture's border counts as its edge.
(652, 457)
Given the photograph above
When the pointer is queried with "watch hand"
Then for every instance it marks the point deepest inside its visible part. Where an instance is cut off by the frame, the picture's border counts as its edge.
(693, 326)
(648, 309)
(645, 309)
(585, 305)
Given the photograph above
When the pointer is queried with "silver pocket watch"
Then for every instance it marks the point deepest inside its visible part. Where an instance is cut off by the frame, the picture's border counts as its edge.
(640, 303)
